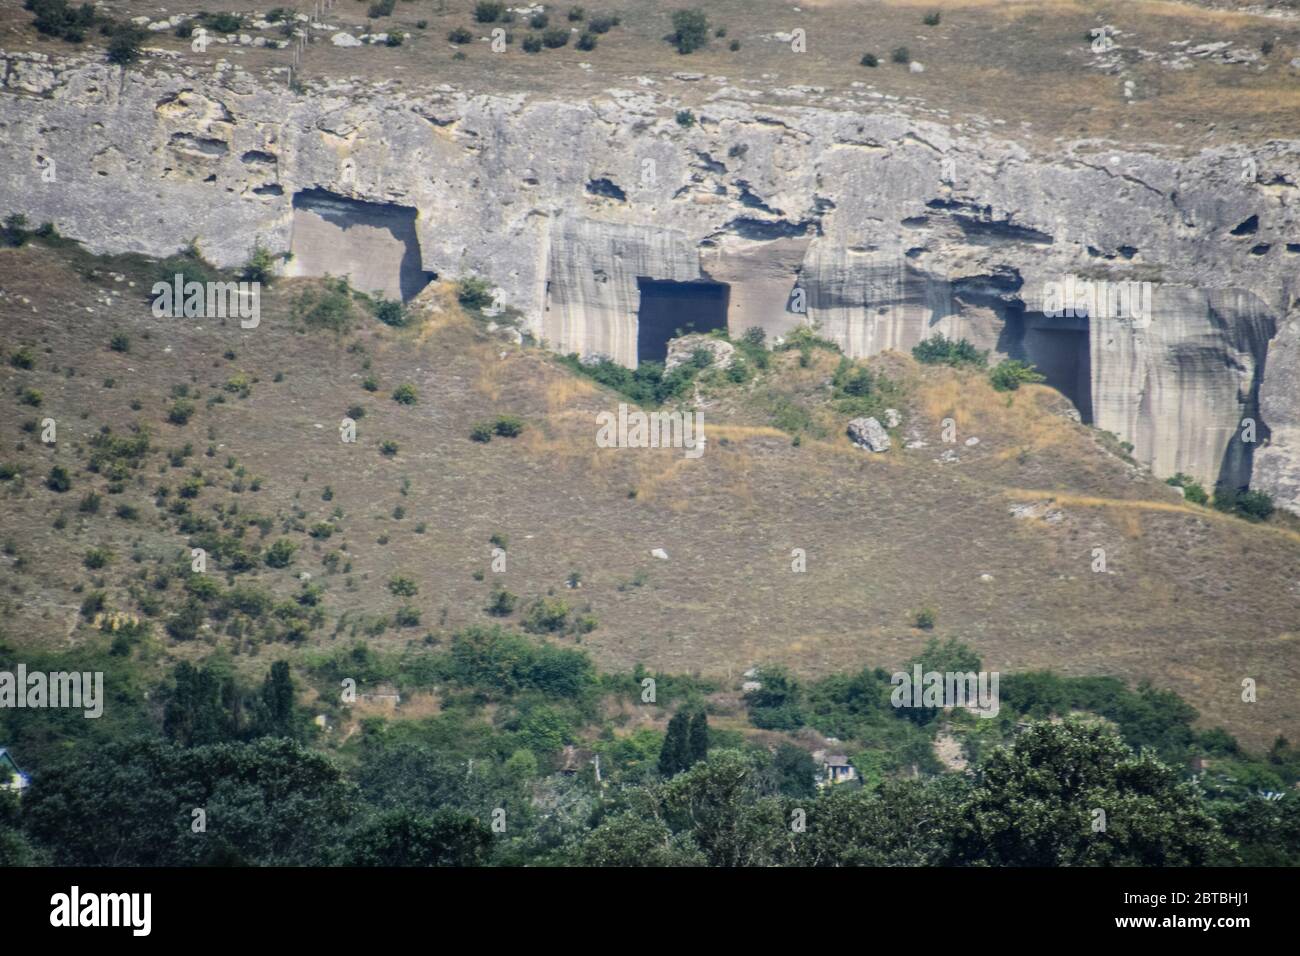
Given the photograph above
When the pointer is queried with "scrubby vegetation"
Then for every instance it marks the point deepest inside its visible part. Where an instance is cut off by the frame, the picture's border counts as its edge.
(1010, 374)
(938, 350)
(690, 30)
(423, 791)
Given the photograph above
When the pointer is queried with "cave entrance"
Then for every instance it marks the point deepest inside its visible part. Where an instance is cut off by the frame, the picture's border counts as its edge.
(1060, 348)
(373, 244)
(669, 309)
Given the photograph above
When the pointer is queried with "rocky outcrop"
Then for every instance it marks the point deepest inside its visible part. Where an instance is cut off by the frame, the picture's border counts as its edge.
(880, 228)
(869, 433)
(683, 350)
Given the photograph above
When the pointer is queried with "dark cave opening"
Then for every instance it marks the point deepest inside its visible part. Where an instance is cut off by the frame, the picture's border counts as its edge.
(1062, 353)
(1059, 347)
(669, 309)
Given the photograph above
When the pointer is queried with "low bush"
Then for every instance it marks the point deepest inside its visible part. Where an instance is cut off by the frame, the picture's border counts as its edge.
(1010, 374)
(938, 350)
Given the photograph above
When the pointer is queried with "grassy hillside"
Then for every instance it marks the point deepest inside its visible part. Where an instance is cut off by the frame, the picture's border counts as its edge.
(1193, 600)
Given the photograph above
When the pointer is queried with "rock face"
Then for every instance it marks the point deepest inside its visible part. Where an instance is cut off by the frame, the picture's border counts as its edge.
(1277, 464)
(880, 228)
(373, 244)
(869, 433)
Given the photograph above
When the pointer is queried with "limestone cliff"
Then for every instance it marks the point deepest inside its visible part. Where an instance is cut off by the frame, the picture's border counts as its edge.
(880, 228)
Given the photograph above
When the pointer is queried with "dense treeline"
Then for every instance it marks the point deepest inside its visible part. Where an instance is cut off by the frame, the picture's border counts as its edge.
(208, 769)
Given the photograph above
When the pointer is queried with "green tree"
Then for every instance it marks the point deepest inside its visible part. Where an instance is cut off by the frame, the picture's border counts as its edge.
(407, 838)
(718, 802)
(690, 30)
(1038, 800)
(776, 704)
(633, 839)
(202, 707)
(674, 757)
(276, 713)
(697, 740)
(269, 803)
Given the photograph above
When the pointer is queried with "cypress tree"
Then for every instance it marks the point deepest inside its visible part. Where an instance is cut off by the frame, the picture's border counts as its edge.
(277, 702)
(698, 738)
(675, 755)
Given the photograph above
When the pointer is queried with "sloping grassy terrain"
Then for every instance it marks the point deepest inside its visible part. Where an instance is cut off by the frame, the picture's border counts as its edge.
(1192, 600)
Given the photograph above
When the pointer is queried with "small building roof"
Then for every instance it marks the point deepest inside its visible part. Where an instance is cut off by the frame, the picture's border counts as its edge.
(837, 760)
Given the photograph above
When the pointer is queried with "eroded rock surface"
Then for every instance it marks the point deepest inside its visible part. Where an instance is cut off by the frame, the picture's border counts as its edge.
(880, 228)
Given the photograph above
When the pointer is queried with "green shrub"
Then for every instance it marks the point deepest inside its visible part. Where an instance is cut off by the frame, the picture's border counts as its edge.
(403, 586)
(120, 343)
(901, 55)
(546, 615)
(223, 22)
(938, 350)
(602, 23)
(1010, 374)
(23, 359)
(532, 43)
(869, 59)
(280, 554)
(58, 480)
(55, 18)
(1193, 491)
(924, 619)
(1252, 505)
(388, 448)
(931, 19)
(474, 293)
(31, 396)
(460, 35)
(690, 30)
(405, 394)
(501, 603)
(390, 312)
(407, 616)
(328, 308)
(555, 38)
(539, 21)
(96, 558)
(124, 45)
(181, 412)
(260, 265)
(488, 11)
(508, 426)
(576, 14)
(586, 42)
(482, 432)
(685, 118)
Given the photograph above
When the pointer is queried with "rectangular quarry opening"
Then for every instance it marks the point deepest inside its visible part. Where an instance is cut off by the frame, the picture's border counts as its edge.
(373, 244)
(669, 309)
(1060, 348)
